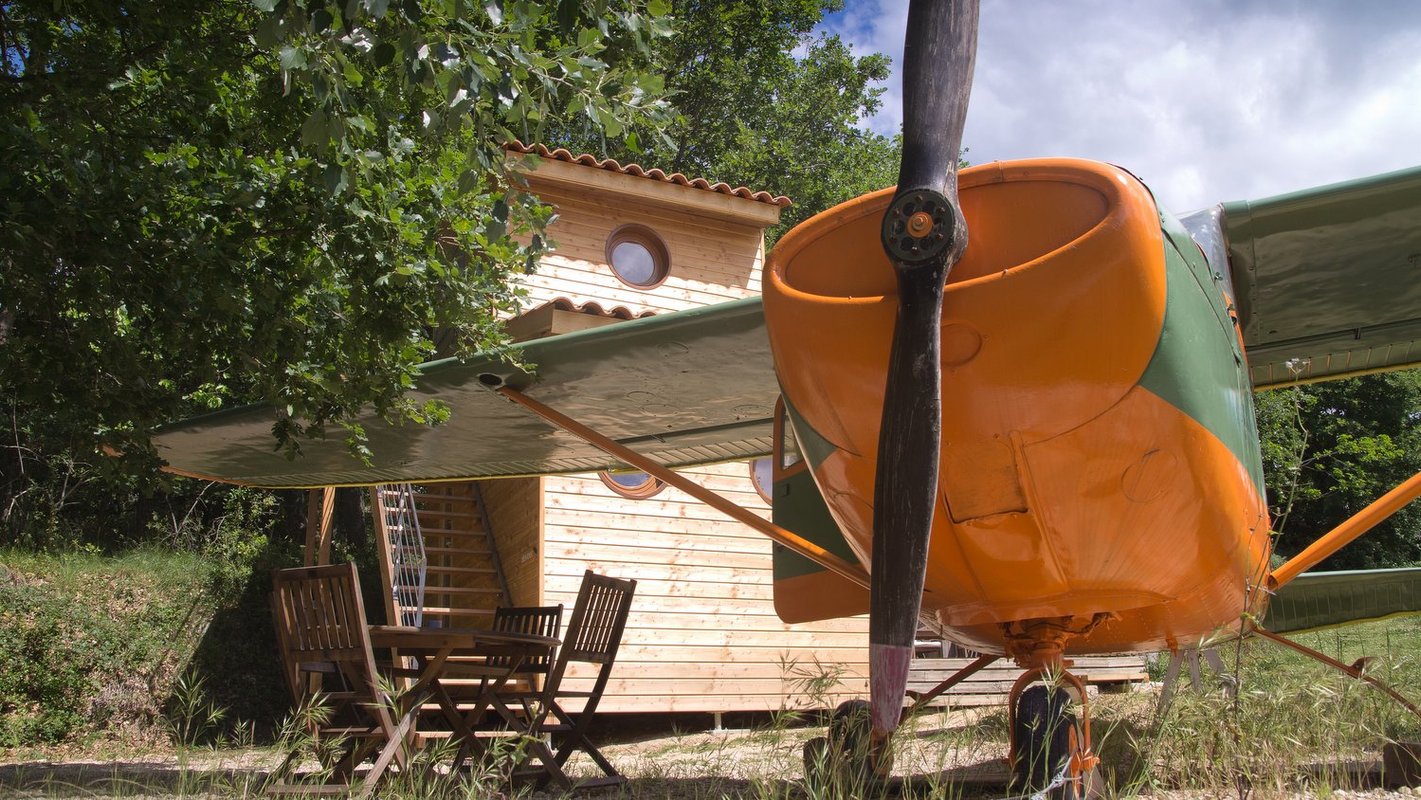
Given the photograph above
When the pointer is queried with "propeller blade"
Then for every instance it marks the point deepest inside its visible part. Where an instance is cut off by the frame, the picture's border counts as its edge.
(924, 234)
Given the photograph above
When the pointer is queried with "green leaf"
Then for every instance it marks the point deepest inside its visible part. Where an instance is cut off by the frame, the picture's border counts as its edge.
(292, 58)
(337, 179)
(383, 54)
(316, 130)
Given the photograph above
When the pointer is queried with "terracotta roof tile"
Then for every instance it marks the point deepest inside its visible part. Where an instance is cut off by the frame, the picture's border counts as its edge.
(597, 309)
(636, 170)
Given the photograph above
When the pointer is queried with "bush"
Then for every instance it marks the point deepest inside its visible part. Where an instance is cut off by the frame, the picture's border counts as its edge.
(92, 646)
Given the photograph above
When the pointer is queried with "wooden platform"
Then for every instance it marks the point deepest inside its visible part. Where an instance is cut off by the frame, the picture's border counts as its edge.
(990, 686)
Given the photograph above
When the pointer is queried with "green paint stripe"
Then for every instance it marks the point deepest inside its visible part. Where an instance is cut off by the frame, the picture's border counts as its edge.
(1197, 366)
(799, 507)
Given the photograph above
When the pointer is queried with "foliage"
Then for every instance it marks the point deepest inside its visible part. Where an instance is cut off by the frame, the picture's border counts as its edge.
(84, 641)
(766, 102)
(210, 203)
(1330, 449)
(94, 645)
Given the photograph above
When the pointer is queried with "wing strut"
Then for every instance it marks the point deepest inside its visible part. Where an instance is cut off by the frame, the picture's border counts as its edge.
(1342, 535)
(793, 541)
(1357, 670)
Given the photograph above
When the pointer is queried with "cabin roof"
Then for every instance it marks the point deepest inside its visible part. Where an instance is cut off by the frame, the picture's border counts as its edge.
(635, 170)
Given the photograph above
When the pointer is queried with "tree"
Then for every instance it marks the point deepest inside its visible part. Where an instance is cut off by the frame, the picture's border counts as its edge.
(1330, 449)
(765, 102)
(205, 203)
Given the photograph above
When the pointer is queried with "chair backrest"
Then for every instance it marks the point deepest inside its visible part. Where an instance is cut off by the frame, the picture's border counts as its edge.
(598, 619)
(321, 627)
(540, 620)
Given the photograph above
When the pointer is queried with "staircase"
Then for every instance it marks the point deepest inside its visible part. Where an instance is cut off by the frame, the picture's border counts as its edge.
(462, 580)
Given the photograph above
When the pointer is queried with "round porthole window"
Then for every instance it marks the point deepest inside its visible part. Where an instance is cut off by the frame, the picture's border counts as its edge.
(638, 256)
(636, 485)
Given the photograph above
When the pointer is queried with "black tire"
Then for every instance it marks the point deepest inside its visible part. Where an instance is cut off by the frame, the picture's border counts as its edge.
(846, 756)
(1042, 739)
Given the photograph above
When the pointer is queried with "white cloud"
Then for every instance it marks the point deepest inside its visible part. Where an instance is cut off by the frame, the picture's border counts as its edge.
(1206, 100)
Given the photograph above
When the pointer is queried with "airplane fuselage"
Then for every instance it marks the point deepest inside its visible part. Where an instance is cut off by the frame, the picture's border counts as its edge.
(1099, 461)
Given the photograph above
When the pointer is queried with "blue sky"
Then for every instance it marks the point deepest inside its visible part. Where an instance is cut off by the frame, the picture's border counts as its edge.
(1205, 100)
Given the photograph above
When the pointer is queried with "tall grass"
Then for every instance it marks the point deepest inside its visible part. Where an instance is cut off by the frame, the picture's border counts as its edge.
(1295, 727)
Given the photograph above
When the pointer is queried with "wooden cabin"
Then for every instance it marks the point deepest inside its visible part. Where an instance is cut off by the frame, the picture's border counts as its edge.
(703, 635)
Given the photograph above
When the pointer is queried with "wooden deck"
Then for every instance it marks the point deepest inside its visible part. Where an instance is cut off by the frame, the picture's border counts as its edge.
(990, 686)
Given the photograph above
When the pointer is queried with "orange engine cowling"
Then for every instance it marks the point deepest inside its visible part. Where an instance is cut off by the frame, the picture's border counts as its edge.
(1083, 473)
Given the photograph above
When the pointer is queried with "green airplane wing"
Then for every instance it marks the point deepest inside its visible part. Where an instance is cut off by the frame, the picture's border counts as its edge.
(1327, 281)
(1317, 600)
(688, 388)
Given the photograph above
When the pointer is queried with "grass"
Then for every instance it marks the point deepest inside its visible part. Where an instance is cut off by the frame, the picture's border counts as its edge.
(1295, 727)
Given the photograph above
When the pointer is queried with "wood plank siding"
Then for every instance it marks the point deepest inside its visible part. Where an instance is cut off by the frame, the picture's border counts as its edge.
(703, 635)
(711, 261)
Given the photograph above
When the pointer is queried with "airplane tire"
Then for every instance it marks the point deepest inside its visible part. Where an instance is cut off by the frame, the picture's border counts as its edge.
(1041, 737)
(846, 755)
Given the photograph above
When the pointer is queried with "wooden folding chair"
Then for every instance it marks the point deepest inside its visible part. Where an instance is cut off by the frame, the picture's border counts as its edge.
(594, 633)
(326, 654)
(468, 678)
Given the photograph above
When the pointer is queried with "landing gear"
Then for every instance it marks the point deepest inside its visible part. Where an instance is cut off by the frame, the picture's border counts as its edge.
(1050, 745)
(848, 756)
(1041, 739)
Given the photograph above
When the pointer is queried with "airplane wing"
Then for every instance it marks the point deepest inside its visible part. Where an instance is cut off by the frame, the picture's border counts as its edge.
(1316, 600)
(1327, 281)
(688, 388)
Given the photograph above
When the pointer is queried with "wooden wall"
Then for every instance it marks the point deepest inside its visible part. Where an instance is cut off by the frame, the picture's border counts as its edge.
(515, 511)
(711, 260)
(703, 635)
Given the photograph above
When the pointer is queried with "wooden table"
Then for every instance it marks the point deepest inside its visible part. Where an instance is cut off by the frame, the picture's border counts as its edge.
(432, 649)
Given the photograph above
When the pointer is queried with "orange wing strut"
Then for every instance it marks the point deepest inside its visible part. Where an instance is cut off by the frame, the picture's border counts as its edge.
(793, 541)
(1343, 534)
(1353, 671)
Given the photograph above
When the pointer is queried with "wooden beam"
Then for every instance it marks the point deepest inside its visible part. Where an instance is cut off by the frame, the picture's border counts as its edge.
(320, 506)
(621, 186)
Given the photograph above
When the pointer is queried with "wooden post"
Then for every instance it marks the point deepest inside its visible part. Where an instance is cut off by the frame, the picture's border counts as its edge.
(387, 565)
(320, 504)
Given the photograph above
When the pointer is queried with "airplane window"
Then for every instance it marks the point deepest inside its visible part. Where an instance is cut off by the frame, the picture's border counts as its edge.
(637, 256)
(636, 485)
(762, 474)
(788, 445)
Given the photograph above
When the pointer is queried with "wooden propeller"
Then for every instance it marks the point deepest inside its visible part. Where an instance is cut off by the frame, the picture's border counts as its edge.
(924, 234)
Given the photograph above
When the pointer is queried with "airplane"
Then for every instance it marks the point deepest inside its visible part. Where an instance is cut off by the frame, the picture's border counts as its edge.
(1015, 403)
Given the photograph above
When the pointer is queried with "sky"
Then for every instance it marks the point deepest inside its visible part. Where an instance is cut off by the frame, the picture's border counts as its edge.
(1204, 100)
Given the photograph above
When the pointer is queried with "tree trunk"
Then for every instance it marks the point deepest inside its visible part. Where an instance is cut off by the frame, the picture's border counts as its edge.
(350, 520)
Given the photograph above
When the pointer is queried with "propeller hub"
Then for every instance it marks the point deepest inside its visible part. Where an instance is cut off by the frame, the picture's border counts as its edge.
(919, 227)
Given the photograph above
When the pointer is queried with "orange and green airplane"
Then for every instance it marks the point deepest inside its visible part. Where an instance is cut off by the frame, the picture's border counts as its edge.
(1087, 478)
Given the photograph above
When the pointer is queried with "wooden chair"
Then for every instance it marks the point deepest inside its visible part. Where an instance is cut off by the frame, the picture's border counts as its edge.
(542, 620)
(468, 678)
(594, 633)
(326, 655)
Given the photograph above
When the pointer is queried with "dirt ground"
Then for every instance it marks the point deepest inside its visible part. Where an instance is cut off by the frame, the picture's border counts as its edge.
(952, 755)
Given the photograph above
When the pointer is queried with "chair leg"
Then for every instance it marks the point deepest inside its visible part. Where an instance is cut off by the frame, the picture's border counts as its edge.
(394, 745)
(574, 738)
(552, 767)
